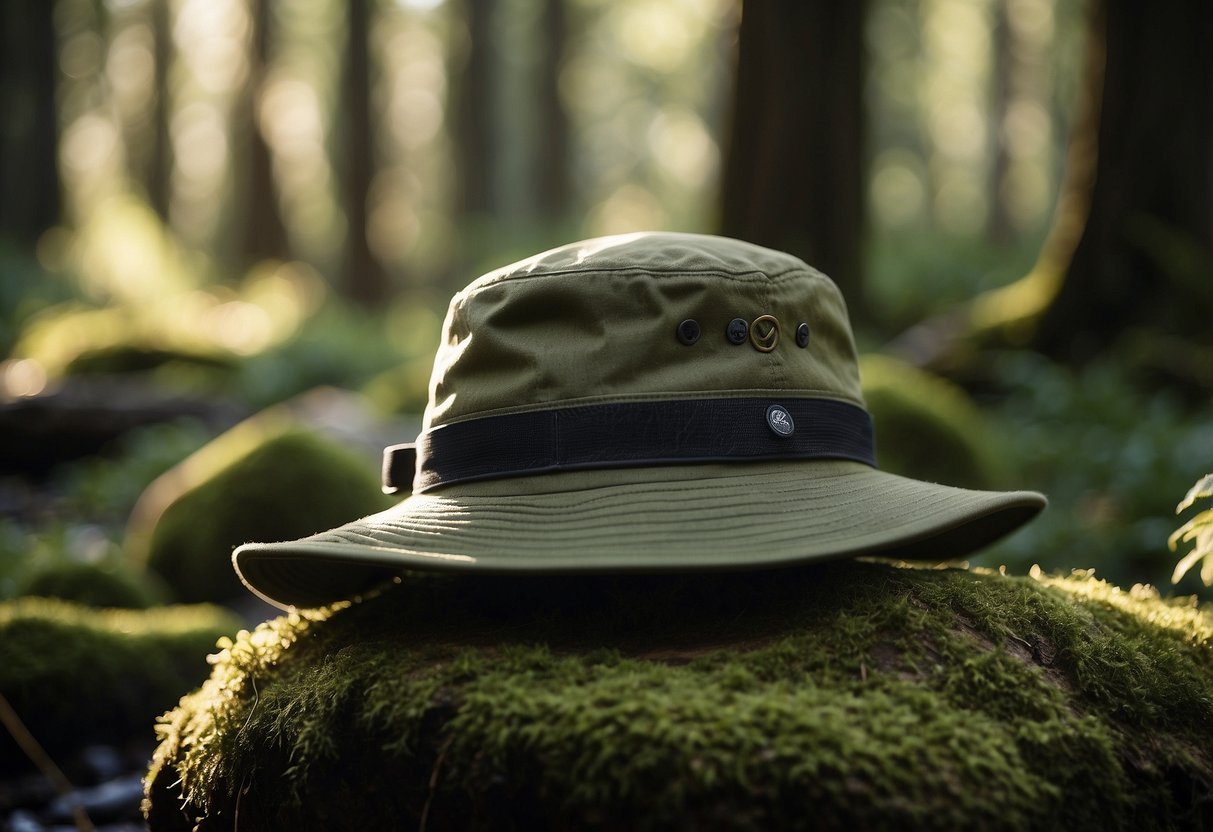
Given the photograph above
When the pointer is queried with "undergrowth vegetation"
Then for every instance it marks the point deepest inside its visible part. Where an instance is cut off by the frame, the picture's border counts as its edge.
(1111, 455)
(1198, 530)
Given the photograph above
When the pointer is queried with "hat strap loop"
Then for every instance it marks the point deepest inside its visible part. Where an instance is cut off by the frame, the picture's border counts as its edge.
(631, 434)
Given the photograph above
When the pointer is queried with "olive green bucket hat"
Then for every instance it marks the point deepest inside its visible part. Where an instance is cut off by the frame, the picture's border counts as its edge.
(639, 403)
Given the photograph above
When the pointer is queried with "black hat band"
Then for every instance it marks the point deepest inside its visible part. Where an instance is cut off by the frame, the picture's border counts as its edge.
(630, 434)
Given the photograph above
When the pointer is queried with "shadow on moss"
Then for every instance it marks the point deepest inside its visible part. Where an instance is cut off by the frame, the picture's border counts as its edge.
(850, 695)
(77, 676)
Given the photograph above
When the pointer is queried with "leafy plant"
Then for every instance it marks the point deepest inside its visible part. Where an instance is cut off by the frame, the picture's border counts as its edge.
(1198, 528)
(104, 488)
(1106, 450)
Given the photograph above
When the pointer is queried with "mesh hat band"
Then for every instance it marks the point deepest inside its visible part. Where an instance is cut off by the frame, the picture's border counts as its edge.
(628, 434)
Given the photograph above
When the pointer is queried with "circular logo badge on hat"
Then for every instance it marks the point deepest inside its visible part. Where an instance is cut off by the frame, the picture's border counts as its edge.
(764, 333)
(780, 421)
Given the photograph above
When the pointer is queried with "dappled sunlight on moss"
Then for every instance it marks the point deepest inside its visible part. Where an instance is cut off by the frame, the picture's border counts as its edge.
(167, 622)
(1182, 616)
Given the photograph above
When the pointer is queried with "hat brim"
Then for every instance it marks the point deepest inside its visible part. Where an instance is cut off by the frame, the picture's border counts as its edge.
(661, 519)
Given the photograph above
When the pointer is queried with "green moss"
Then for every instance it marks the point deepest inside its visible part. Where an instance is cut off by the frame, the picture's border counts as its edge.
(94, 585)
(263, 481)
(843, 696)
(926, 427)
(77, 675)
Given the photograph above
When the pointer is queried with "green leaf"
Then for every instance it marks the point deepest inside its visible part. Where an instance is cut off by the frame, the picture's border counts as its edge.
(1185, 563)
(1203, 488)
(1191, 529)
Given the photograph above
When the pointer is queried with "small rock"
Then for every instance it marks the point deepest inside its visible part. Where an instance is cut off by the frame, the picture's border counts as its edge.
(23, 821)
(100, 763)
(26, 792)
(113, 800)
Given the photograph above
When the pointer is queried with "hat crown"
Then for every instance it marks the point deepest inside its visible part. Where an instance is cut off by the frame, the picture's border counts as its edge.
(598, 321)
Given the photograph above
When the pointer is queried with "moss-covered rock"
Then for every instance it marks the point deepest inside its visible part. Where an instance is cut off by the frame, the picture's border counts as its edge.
(852, 695)
(137, 357)
(264, 480)
(95, 585)
(928, 428)
(77, 676)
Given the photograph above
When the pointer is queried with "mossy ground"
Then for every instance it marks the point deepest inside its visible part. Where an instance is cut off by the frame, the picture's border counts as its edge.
(78, 676)
(853, 695)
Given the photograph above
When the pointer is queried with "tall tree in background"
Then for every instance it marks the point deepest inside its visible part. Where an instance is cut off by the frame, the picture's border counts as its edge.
(552, 148)
(1130, 248)
(363, 278)
(793, 172)
(30, 199)
(1144, 258)
(264, 234)
(998, 224)
(473, 93)
(158, 174)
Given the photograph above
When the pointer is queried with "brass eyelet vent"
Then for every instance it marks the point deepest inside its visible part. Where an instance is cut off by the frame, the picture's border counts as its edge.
(764, 333)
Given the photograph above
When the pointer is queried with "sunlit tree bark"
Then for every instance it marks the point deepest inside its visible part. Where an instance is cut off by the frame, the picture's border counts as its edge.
(793, 173)
(30, 199)
(1144, 258)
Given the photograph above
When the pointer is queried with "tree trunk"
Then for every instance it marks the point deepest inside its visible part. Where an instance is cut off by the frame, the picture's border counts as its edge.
(159, 171)
(264, 234)
(363, 278)
(476, 150)
(793, 174)
(1144, 259)
(998, 225)
(552, 149)
(30, 198)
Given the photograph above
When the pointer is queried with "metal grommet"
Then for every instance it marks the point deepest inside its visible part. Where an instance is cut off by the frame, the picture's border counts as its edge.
(764, 333)
(802, 335)
(737, 330)
(688, 331)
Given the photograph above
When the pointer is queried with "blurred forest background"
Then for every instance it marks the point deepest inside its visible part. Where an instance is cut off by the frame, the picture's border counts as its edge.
(212, 207)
